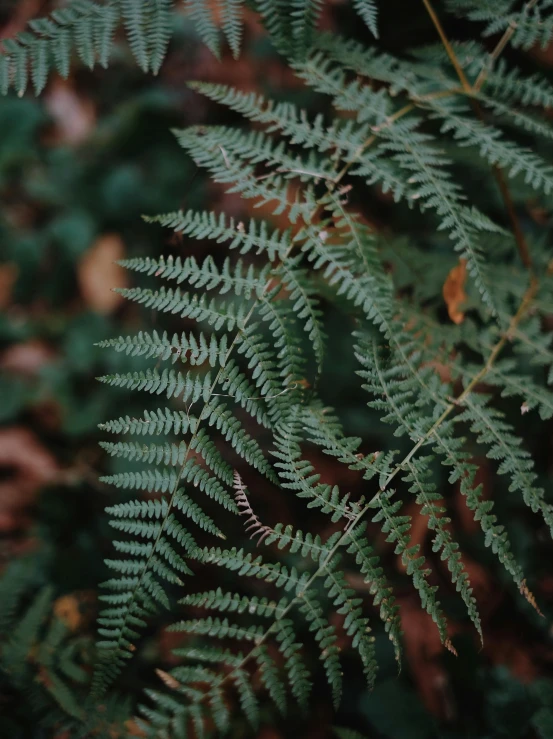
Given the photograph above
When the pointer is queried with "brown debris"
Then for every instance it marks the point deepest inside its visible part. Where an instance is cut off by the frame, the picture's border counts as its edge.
(98, 273)
(28, 466)
(67, 609)
(8, 276)
(454, 292)
(74, 116)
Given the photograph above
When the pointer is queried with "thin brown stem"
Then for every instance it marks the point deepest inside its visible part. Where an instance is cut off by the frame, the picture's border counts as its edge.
(447, 46)
(520, 239)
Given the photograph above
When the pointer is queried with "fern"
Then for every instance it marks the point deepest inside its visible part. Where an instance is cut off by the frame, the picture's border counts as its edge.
(382, 143)
(41, 659)
(89, 27)
(236, 373)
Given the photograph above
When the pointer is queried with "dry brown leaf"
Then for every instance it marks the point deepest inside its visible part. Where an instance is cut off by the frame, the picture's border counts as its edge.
(98, 273)
(454, 291)
(67, 610)
(168, 679)
(506, 646)
(73, 115)
(23, 12)
(8, 276)
(27, 358)
(25, 466)
(133, 729)
(424, 650)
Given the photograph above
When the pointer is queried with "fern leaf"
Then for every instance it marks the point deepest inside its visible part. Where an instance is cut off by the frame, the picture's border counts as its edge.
(368, 11)
(159, 32)
(232, 24)
(200, 14)
(504, 446)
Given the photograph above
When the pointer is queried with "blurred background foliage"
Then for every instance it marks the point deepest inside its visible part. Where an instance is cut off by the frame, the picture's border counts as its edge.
(78, 169)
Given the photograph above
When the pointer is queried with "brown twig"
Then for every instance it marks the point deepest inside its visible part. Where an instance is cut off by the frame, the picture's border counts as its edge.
(449, 49)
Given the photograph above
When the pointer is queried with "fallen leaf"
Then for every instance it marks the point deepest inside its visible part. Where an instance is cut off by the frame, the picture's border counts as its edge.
(67, 610)
(133, 729)
(454, 292)
(8, 276)
(73, 115)
(168, 679)
(27, 358)
(25, 466)
(23, 12)
(424, 650)
(98, 273)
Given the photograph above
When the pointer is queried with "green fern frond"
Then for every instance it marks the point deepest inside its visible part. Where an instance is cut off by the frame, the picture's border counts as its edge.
(200, 14)
(496, 149)
(299, 475)
(325, 636)
(493, 431)
(432, 506)
(378, 585)
(183, 348)
(397, 528)
(522, 386)
(206, 225)
(232, 24)
(368, 10)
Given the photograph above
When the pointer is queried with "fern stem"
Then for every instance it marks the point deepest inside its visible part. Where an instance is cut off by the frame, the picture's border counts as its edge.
(449, 49)
(508, 200)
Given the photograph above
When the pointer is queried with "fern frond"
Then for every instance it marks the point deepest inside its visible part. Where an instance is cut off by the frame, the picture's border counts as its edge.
(304, 304)
(232, 24)
(241, 280)
(355, 624)
(496, 149)
(325, 636)
(432, 506)
(531, 25)
(368, 10)
(183, 348)
(505, 447)
(207, 225)
(232, 602)
(298, 474)
(378, 585)
(522, 386)
(463, 471)
(397, 528)
(25, 635)
(173, 384)
(159, 32)
(200, 14)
